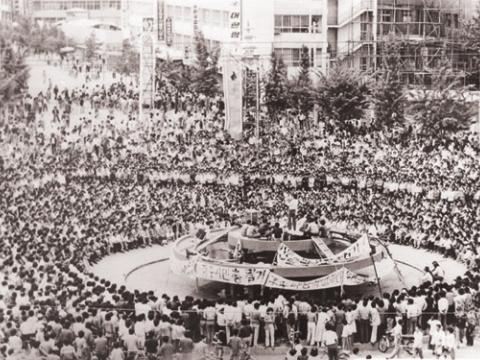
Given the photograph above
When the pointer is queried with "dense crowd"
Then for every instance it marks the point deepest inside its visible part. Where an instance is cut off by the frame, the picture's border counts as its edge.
(82, 178)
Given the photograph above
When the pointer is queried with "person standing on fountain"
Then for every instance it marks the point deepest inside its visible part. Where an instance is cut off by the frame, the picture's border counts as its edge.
(292, 204)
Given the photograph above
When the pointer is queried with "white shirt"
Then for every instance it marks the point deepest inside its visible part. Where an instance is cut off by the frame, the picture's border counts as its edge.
(293, 204)
(330, 337)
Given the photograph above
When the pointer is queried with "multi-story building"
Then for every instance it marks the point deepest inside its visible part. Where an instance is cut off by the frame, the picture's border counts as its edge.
(6, 11)
(358, 31)
(57, 10)
(351, 31)
(281, 26)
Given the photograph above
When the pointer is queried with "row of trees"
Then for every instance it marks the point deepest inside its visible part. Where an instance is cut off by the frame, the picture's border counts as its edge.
(38, 39)
(345, 94)
(13, 69)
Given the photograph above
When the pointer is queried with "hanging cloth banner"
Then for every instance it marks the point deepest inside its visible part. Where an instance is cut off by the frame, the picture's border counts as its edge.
(232, 274)
(184, 267)
(358, 248)
(232, 91)
(340, 277)
(287, 257)
(323, 248)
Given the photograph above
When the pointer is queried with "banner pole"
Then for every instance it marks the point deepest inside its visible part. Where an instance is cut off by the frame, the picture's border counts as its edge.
(375, 268)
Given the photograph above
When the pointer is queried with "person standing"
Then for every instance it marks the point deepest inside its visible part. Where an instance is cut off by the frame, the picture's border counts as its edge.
(470, 329)
(374, 322)
(167, 350)
(331, 342)
(235, 344)
(450, 343)
(292, 212)
(185, 346)
(269, 328)
(418, 342)
(311, 320)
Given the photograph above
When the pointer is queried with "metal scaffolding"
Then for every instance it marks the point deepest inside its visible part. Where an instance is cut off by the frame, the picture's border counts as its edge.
(427, 29)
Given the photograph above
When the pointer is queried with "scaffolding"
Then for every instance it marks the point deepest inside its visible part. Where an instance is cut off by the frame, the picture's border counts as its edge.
(427, 29)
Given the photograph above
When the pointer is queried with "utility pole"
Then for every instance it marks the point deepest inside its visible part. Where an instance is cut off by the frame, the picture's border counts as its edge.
(257, 103)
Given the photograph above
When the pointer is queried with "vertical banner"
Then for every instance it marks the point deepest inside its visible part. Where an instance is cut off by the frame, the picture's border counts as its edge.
(195, 20)
(168, 31)
(161, 20)
(233, 76)
(235, 21)
(147, 67)
(232, 87)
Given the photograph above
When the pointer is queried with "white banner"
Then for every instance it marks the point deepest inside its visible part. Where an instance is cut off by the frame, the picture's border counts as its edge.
(358, 248)
(340, 277)
(234, 25)
(232, 274)
(323, 248)
(232, 89)
(288, 257)
(184, 267)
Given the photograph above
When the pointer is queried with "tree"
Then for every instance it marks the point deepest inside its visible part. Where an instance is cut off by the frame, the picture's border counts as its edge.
(442, 109)
(343, 94)
(276, 89)
(389, 94)
(471, 35)
(91, 47)
(13, 73)
(301, 91)
(129, 61)
(205, 74)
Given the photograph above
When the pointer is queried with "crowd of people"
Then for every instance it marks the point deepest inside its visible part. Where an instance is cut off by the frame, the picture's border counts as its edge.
(81, 178)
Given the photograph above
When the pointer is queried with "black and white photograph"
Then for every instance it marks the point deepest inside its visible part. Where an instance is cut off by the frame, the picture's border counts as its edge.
(239, 179)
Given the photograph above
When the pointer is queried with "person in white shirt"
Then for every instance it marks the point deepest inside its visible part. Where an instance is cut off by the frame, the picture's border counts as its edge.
(438, 340)
(397, 335)
(412, 313)
(443, 308)
(330, 340)
(292, 212)
(418, 342)
(449, 343)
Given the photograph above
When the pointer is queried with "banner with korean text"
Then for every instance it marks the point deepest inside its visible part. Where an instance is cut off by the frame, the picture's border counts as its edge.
(232, 88)
(287, 257)
(358, 248)
(232, 274)
(340, 277)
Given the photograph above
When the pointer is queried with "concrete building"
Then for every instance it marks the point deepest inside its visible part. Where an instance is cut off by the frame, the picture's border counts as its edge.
(358, 31)
(349, 31)
(6, 12)
(58, 10)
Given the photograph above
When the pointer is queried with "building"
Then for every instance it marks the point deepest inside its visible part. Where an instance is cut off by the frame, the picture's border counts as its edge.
(52, 11)
(348, 31)
(358, 31)
(6, 12)
(20, 7)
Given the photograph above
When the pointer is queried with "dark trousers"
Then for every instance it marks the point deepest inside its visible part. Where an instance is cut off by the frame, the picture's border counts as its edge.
(332, 352)
(364, 331)
(469, 334)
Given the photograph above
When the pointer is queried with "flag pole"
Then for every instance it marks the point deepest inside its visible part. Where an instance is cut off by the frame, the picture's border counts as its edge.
(375, 268)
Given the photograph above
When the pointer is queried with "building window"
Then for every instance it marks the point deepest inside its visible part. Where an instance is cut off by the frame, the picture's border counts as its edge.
(363, 63)
(316, 24)
(291, 57)
(385, 15)
(216, 17)
(206, 16)
(226, 19)
(292, 23)
(187, 14)
(178, 13)
(318, 57)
